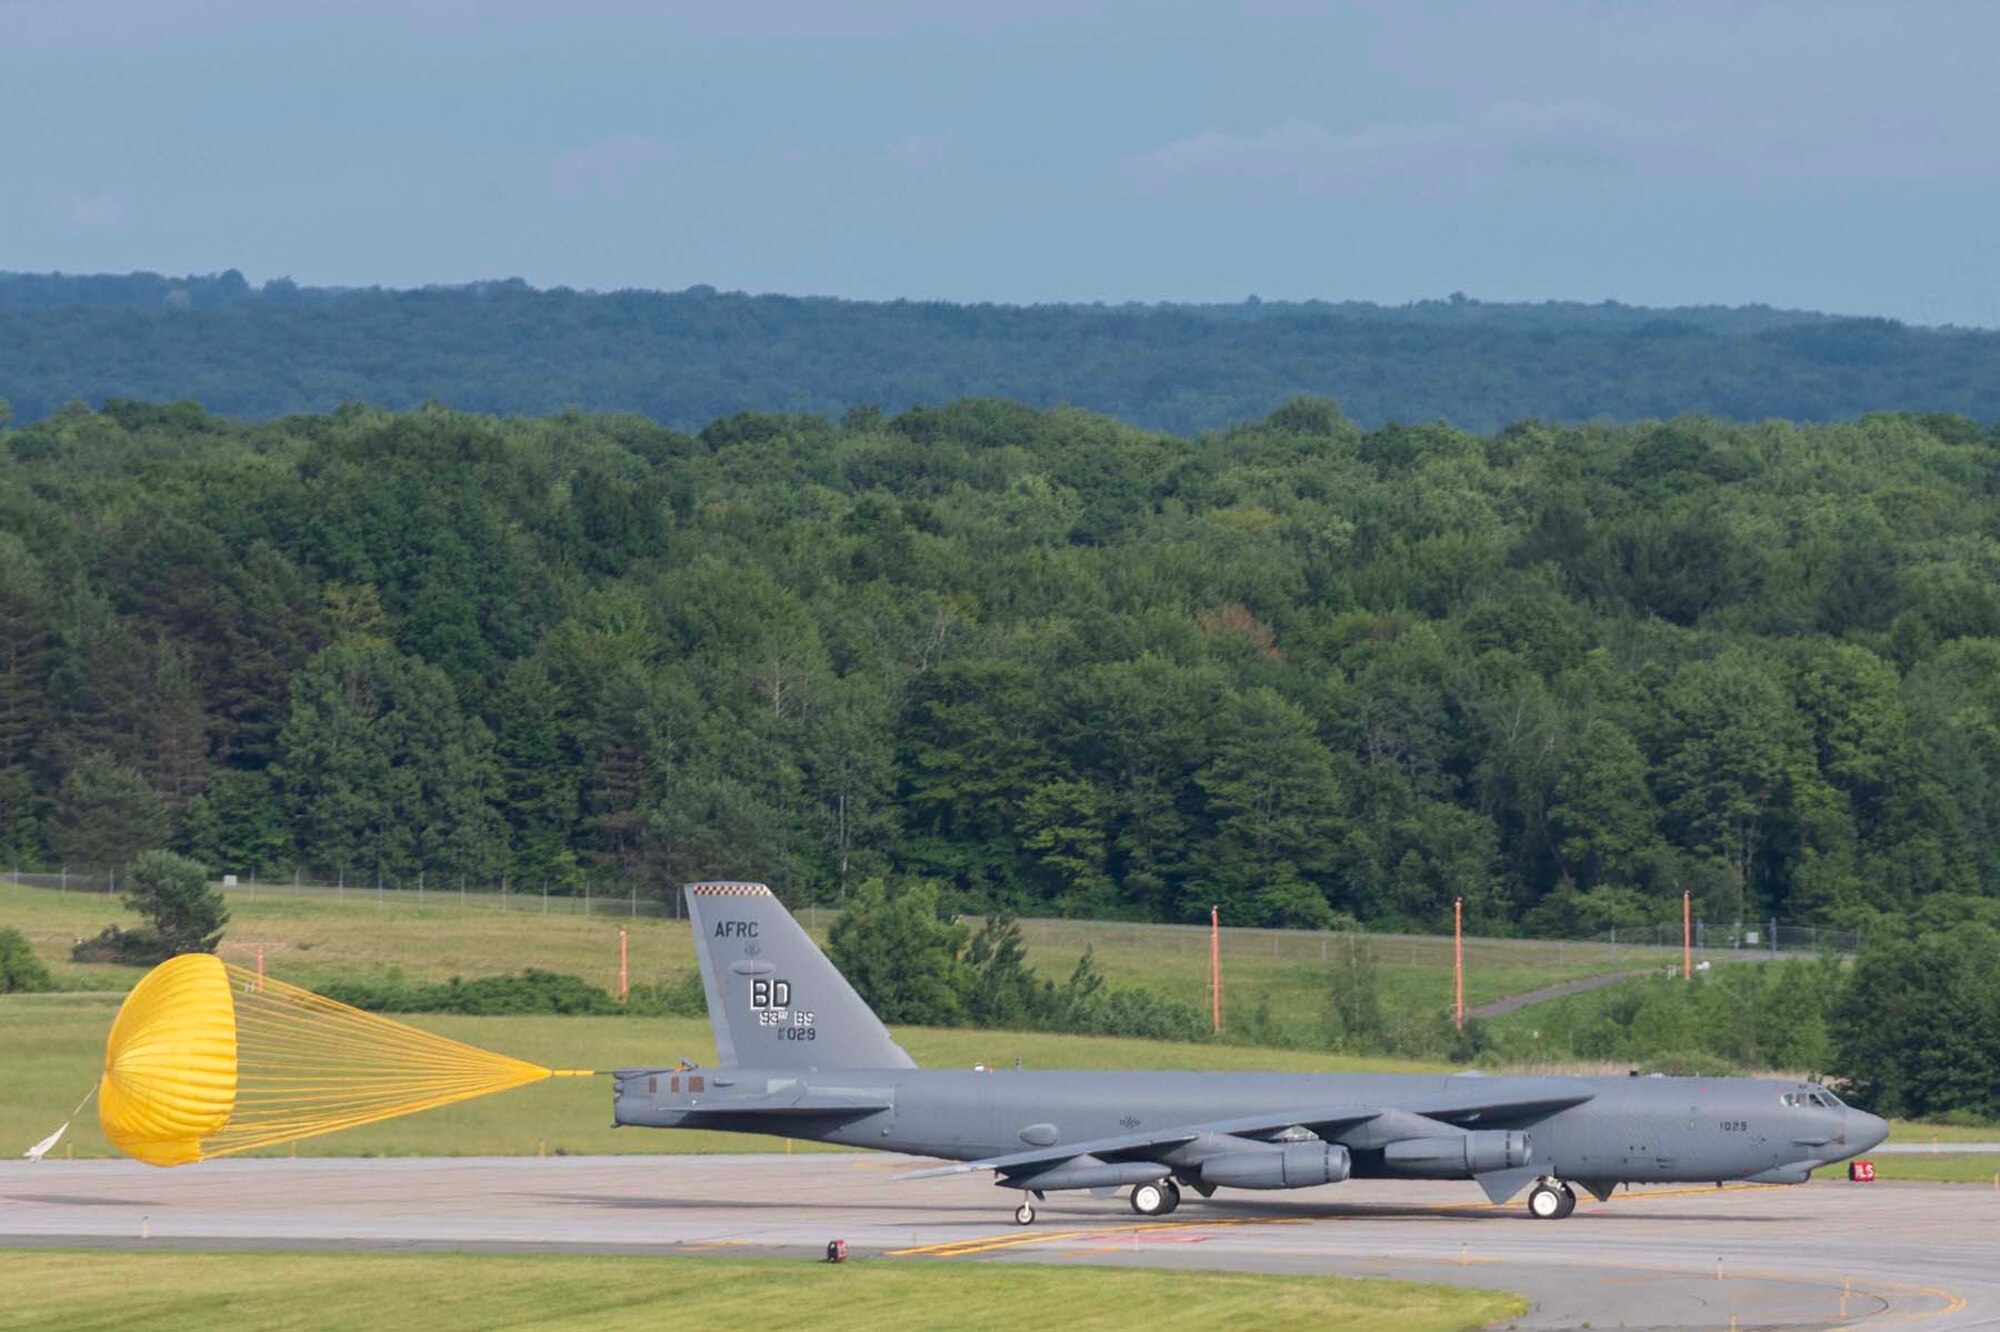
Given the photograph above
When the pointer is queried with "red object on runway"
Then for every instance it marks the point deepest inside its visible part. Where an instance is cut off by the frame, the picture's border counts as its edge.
(1861, 1172)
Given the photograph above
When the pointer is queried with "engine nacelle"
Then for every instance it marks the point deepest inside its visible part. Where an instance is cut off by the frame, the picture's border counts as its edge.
(1458, 1157)
(1293, 1165)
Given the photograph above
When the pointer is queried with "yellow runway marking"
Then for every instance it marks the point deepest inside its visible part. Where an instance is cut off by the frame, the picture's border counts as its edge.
(990, 1243)
(1011, 1240)
(1095, 1242)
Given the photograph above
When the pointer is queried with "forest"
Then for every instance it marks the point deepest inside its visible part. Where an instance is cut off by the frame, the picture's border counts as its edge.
(1049, 662)
(686, 358)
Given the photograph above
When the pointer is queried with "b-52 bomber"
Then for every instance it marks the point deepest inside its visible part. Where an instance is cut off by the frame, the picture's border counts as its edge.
(801, 1056)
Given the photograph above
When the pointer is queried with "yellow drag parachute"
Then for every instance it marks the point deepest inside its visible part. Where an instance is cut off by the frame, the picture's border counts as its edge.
(206, 1059)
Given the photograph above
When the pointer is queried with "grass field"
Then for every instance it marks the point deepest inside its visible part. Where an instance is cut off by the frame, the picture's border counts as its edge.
(1946, 1167)
(53, 1042)
(311, 936)
(52, 1045)
(1905, 1130)
(282, 1292)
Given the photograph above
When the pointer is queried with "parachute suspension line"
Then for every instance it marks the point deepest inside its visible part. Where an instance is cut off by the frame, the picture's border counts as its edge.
(307, 1065)
(207, 1059)
(85, 1101)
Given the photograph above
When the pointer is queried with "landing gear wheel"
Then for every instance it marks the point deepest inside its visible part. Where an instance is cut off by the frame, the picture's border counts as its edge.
(1545, 1202)
(1154, 1199)
(1173, 1191)
(1024, 1215)
(1569, 1201)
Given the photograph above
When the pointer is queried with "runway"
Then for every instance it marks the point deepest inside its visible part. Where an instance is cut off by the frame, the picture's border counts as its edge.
(1818, 1255)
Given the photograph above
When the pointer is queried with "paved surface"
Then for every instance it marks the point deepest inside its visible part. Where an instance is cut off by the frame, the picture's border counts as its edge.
(1907, 1254)
(1547, 992)
(1914, 1148)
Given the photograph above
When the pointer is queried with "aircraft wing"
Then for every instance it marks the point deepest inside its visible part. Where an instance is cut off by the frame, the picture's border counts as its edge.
(1142, 1144)
(1459, 1106)
(1468, 1106)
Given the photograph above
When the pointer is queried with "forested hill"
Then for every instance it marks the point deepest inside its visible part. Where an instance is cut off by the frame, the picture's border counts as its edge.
(685, 358)
(1056, 662)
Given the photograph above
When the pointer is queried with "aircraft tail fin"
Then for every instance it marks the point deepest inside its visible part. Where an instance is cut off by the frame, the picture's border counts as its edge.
(774, 999)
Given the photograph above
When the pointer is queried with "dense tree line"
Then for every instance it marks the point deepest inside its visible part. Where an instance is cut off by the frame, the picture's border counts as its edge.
(1048, 661)
(685, 358)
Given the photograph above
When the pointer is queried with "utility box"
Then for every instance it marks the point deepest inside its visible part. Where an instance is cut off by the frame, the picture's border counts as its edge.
(1861, 1172)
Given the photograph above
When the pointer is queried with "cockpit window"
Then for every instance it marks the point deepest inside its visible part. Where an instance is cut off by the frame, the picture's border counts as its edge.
(1791, 1100)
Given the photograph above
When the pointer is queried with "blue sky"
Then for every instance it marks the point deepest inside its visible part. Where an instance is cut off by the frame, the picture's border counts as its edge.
(1823, 155)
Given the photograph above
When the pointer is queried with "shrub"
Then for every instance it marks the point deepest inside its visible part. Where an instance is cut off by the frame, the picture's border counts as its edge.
(533, 991)
(138, 948)
(173, 894)
(683, 997)
(20, 969)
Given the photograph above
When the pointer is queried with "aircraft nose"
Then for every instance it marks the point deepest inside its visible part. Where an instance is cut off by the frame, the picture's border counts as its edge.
(1865, 1130)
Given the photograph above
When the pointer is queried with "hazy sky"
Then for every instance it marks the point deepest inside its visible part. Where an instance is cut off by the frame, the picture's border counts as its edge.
(1832, 156)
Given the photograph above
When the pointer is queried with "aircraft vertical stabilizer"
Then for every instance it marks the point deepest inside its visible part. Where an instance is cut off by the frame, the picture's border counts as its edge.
(773, 998)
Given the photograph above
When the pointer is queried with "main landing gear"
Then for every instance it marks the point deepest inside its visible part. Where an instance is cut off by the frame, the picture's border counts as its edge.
(1156, 1199)
(1551, 1200)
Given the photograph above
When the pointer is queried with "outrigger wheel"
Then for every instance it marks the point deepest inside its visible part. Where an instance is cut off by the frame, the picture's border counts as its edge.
(1024, 1215)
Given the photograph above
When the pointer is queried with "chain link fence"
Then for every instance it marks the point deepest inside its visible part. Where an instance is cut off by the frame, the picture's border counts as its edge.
(1658, 945)
(587, 900)
(1653, 946)
(1767, 936)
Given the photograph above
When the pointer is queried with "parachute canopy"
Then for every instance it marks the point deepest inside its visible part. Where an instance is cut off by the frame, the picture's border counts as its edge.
(206, 1059)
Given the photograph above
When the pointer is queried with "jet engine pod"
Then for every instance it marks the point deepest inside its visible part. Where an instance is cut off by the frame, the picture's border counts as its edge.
(1295, 1165)
(1458, 1157)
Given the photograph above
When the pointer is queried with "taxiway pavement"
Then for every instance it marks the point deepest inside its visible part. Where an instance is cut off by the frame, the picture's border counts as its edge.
(1818, 1255)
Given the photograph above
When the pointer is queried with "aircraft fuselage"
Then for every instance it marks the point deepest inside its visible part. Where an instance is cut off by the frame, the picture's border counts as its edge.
(1630, 1129)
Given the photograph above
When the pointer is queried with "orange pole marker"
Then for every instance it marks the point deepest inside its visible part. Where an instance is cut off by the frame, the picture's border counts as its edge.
(624, 987)
(1687, 936)
(1215, 968)
(1458, 961)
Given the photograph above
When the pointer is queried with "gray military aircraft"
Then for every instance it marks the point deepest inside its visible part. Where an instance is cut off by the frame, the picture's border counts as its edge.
(803, 1057)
